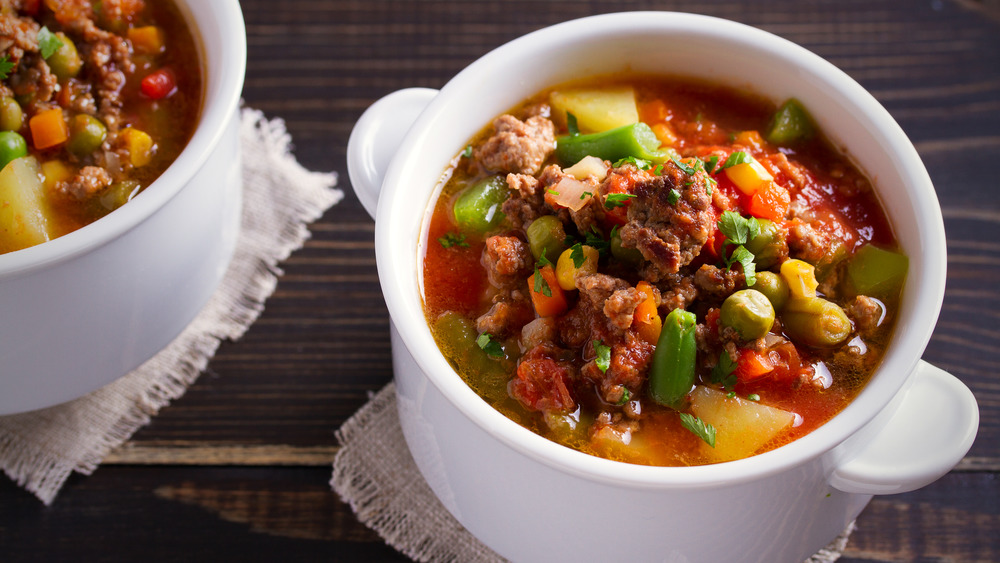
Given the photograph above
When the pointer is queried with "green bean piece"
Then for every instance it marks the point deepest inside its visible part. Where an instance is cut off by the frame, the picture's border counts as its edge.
(877, 272)
(790, 124)
(546, 236)
(630, 256)
(815, 322)
(769, 246)
(774, 287)
(65, 62)
(86, 133)
(11, 114)
(477, 209)
(672, 371)
(12, 146)
(749, 312)
(636, 140)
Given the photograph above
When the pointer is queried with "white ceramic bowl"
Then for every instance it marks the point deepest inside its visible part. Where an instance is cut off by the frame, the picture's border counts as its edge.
(86, 308)
(531, 499)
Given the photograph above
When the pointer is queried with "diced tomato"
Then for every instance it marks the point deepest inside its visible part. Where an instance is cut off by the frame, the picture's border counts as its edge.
(159, 84)
(788, 365)
(542, 383)
(770, 202)
(752, 365)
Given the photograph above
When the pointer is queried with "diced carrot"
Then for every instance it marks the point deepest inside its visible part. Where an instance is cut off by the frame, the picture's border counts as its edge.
(147, 39)
(646, 319)
(48, 128)
(665, 134)
(770, 202)
(752, 365)
(548, 305)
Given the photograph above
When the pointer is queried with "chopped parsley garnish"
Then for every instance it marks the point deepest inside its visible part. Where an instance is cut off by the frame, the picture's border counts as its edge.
(640, 163)
(711, 163)
(684, 167)
(603, 359)
(738, 231)
(673, 196)
(731, 394)
(551, 191)
(453, 239)
(5, 67)
(617, 200)
(595, 239)
(745, 258)
(490, 346)
(542, 286)
(48, 42)
(724, 372)
(571, 125)
(658, 170)
(738, 157)
(699, 428)
(585, 195)
(467, 153)
(576, 255)
(753, 397)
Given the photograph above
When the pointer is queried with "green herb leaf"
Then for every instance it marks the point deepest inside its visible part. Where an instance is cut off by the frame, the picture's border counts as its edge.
(626, 397)
(730, 394)
(724, 372)
(658, 170)
(640, 163)
(745, 258)
(711, 163)
(490, 346)
(453, 239)
(699, 428)
(738, 157)
(467, 153)
(595, 239)
(684, 167)
(616, 200)
(551, 191)
(576, 255)
(673, 196)
(48, 42)
(603, 359)
(542, 286)
(5, 67)
(753, 397)
(571, 125)
(737, 228)
(585, 195)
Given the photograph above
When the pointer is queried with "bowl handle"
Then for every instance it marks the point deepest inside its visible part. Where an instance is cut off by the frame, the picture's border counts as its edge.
(376, 137)
(915, 444)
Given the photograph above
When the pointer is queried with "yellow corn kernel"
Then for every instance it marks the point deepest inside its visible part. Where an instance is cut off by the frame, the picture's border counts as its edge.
(801, 278)
(567, 271)
(140, 146)
(146, 39)
(749, 176)
(55, 171)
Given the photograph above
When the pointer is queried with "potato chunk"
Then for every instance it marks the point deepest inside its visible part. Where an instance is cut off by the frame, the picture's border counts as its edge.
(595, 109)
(24, 210)
(742, 426)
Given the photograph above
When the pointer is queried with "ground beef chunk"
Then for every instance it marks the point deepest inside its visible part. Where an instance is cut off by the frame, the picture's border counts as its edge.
(542, 330)
(507, 260)
(620, 307)
(526, 202)
(517, 146)
(505, 317)
(867, 314)
(611, 430)
(718, 283)
(17, 36)
(677, 291)
(798, 176)
(544, 380)
(817, 236)
(88, 181)
(669, 235)
(630, 358)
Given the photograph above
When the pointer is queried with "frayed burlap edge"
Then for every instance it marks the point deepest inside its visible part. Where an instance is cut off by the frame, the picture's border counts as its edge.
(39, 450)
(374, 473)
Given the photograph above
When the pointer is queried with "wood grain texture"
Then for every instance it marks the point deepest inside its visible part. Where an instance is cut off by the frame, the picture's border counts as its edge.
(238, 468)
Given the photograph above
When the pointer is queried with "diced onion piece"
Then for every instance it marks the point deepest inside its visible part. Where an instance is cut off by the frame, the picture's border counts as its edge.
(742, 426)
(570, 193)
(749, 176)
(589, 166)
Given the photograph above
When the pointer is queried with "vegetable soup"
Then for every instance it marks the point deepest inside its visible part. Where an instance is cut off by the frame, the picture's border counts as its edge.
(97, 99)
(660, 271)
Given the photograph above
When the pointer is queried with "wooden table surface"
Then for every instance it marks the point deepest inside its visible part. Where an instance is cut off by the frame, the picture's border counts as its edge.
(238, 468)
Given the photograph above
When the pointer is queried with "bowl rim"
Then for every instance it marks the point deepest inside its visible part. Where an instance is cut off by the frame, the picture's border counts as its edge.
(392, 240)
(223, 72)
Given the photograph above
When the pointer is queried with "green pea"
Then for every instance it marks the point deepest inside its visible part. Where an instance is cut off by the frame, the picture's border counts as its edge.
(65, 62)
(546, 236)
(86, 133)
(12, 146)
(11, 114)
(769, 246)
(631, 256)
(815, 322)
(477, 209)
(774, 287)
(748, 312)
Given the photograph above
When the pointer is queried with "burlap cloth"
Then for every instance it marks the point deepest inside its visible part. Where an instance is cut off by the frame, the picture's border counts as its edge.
(374, 473)
(39, 450)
